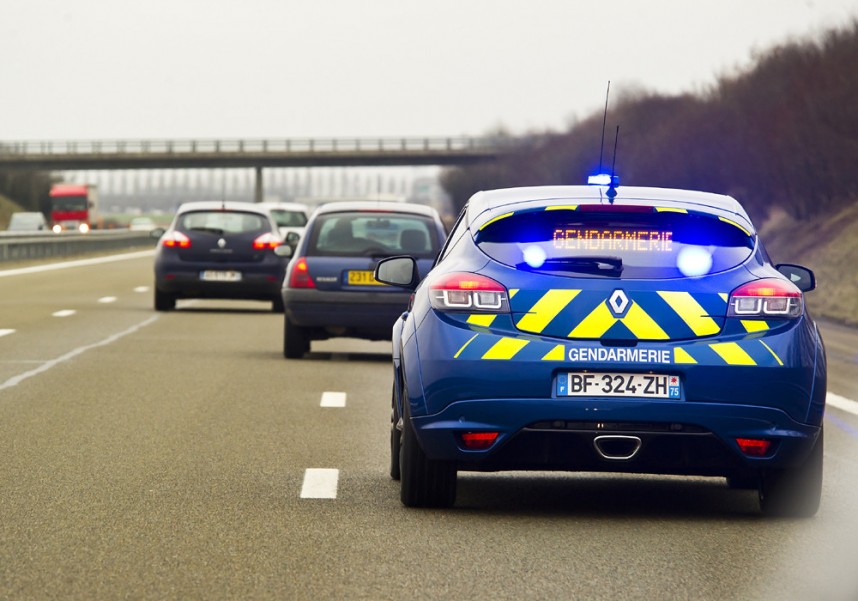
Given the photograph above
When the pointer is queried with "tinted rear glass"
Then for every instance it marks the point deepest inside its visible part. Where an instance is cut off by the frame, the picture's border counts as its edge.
(644, 244)
(372, 233)
(287, 218)
(223, 222)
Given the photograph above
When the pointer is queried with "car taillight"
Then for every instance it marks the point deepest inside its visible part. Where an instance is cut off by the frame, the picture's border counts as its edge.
(267, 241)
(769, 297)
(468, 292)
(300, 275)
(176, 240)
(478, 441)
(754, 447)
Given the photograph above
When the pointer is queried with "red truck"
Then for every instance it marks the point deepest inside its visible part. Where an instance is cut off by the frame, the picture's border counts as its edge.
(74, 207)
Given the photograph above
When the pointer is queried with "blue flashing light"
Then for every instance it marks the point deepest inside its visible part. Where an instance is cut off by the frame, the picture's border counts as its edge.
(604, 179)
(694, 261)
(534, 256)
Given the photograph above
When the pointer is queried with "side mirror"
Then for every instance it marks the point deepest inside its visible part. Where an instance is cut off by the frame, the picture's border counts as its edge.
(398, 271)
(157, 232)
(292, 239)
(802, 277)
(284, 250)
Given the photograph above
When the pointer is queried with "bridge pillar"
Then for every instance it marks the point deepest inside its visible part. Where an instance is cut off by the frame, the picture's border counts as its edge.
(259, 193)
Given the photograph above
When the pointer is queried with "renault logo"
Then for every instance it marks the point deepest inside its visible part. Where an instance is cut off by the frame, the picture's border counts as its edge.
(618, 302)
(221, 243)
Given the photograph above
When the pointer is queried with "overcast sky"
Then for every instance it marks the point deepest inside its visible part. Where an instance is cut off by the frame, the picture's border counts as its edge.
(107, 69)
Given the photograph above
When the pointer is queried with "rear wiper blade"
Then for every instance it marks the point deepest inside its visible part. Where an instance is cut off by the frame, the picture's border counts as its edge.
(612, 265)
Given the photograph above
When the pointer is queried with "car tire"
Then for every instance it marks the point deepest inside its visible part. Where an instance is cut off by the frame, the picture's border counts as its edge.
(295, 341)
(164, 301)
(794, 492)
(277, 305)
(395, 437)
(423, 482)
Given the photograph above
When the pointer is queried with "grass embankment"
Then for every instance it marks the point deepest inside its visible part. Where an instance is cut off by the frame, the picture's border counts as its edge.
(829, 246)
(7, 207)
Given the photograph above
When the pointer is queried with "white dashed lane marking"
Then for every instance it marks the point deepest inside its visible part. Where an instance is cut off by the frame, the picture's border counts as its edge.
(333, 399)
(107, 299)
(320, 483)
(6, 332)
(141, 289)
(64, 313)
(842, 403)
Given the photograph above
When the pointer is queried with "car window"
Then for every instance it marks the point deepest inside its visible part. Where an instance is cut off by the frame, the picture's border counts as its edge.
(287, 218)
(223, 222)
(365, 233)
(630, 244)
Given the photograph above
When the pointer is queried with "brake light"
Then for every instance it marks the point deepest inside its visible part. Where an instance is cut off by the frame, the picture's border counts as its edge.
(176, 240)
(300, 275)
(478, 441)
(754, 447)
(267, 241)
(468, 291)
(768, 297)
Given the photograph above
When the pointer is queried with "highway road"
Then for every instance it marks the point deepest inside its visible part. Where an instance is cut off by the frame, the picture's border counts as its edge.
(179, 456)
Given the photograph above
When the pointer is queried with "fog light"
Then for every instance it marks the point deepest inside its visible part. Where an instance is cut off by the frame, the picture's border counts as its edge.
(754, 447)
(478, 441)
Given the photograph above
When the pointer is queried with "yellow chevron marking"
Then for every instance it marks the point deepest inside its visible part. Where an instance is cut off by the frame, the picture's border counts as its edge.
(680, 355)
(513, 292)
(491, 221)
(562, 208)
(768, 348)
(670, 210)
(732, 353)
(734, 224)
(546, 309)
(595, 324)
(753, 325)
(483, 319)
(724, 296)
(459, 352)
(558, 353)
(642, 325)
(505, 348)
(690, 311)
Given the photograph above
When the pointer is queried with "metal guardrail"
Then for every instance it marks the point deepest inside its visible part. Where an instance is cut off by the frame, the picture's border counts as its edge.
(37, 245)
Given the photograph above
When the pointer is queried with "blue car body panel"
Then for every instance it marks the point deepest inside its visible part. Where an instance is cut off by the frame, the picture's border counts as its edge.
(505, 372)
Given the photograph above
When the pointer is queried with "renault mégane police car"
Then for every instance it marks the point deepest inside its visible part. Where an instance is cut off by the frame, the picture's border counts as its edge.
(605, 328)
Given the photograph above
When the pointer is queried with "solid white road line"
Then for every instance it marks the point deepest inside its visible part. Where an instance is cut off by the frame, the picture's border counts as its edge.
(64, 313)
(320, 483)
(842, 403)
(78, 263)
(6, 332)
(333, 399)
(107, 299)
(15, 380)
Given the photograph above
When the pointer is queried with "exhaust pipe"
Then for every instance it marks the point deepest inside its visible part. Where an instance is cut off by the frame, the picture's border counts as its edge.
(617, 447)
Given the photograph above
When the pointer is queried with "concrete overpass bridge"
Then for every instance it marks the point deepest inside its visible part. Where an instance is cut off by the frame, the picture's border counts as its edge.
(258, 154)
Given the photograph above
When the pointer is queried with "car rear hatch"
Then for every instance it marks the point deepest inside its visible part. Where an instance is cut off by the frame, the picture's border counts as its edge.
(622, 274)
(223, 237)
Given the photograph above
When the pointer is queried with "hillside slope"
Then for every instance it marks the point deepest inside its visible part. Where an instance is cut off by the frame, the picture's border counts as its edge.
(7, 207)
(828, 245)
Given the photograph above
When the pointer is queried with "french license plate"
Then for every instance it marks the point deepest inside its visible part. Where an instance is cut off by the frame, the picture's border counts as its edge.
(362, 278)
(618, 384)
(211, 275)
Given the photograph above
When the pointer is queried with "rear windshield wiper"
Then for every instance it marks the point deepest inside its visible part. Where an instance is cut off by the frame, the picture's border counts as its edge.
(607, 265)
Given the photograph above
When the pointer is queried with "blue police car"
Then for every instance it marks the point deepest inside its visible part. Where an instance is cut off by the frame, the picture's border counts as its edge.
(608, 329)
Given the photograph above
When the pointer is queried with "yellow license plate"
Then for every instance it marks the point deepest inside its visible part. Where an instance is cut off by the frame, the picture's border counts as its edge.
(362, 278)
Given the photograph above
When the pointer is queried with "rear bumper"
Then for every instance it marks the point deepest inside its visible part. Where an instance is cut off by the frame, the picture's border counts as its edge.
(369, 315)
(675, 437)
(258, 281)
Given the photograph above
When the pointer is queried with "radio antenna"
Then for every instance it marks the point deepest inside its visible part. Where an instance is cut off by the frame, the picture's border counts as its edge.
(612, 190)
(604, 121)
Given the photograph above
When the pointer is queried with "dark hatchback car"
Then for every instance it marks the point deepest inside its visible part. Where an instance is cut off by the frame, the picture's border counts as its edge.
(219, 250)
(329, 290)
(621, 329)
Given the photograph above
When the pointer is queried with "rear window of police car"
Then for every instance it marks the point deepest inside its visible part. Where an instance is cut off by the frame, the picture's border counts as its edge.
(638, 242)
